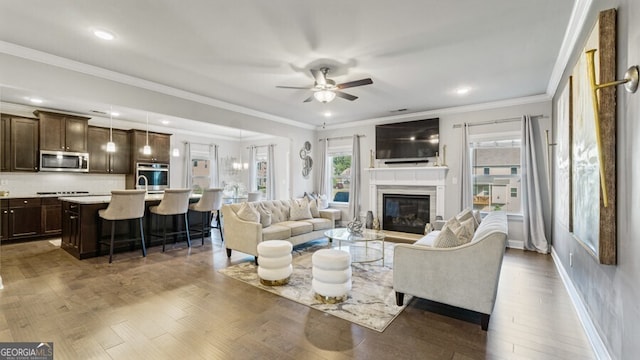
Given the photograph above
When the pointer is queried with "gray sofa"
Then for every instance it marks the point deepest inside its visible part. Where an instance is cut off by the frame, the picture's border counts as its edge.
(465, 276)
(244, 236)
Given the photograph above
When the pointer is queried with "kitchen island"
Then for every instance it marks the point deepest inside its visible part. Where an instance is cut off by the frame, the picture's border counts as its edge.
(81, 227)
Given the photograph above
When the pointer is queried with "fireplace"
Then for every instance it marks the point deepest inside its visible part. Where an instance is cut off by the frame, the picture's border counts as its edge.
(405, 212)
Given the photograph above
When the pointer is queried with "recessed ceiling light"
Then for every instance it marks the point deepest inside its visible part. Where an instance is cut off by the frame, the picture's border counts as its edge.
(104, 34)
(165, 122)
(36, 100)
(115, 113)
(463, 90)
(327, 114)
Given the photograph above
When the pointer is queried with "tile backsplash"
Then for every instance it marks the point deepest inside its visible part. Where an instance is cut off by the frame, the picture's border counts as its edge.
(27, 184)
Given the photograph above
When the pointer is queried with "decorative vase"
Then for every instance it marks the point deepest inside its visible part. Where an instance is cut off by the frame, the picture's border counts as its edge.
(369, 220)
(355, 226)
(376, 224)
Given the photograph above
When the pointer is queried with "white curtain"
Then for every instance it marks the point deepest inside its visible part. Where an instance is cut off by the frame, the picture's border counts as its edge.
(187, 165)
(253, 186)
(354, 189)
(324, 182)
(466, 176)
(271, 173)
(532, 222)
(215, 166)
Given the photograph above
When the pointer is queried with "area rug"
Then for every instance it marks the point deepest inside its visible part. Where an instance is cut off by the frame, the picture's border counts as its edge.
(371, 302)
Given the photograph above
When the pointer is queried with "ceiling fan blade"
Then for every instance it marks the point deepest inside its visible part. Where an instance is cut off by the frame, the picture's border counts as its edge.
(345, 95)
(350, 84)
(295, 87)
(309, 99)
(319, 76)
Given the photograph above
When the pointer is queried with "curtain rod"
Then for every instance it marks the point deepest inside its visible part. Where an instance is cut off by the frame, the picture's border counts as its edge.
(260, 146)
(498, 121)
(341, 137)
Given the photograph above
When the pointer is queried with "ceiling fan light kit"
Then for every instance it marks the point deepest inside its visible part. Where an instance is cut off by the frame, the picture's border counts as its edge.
(324, 96)
(325, 90)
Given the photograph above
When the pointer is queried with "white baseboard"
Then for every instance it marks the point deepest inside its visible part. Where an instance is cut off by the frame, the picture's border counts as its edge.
(597, 344)
(515, 244)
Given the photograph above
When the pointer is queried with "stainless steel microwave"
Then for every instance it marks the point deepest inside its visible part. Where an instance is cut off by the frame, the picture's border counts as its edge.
(64, 161)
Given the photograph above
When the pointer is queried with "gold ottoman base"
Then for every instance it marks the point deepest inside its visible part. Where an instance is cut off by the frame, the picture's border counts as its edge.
(331, 299)
(280, 282)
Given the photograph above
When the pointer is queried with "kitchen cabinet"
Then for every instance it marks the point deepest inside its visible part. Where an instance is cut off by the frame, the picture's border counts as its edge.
(100, 161)
(51, 215)
(4, 220)
(71, 228)
(62, 132)
(23, 217)
(5, 142)
(20, 148)
(160, 147)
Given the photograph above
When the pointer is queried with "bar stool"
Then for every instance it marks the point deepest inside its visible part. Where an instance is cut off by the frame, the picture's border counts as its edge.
(210, 201)
(254, 196)
(124, 205)
(174, 202)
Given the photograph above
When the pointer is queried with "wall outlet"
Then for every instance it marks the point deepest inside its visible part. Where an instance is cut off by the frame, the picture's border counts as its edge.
(570, 259)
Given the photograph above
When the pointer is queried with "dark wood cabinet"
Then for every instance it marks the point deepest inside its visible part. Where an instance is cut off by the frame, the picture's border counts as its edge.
(51, 215)
(100, 161)
(160, 147)
(24, 217)
(4, 220)
(62, 132)
(18, 143)
(5, 142)
(71, 228)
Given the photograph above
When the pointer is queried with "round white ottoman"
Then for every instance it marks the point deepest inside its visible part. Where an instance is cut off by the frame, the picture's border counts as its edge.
(274, 262)
(331, 275)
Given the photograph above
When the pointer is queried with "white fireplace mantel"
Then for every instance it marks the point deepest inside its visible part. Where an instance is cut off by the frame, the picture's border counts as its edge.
(403, 177)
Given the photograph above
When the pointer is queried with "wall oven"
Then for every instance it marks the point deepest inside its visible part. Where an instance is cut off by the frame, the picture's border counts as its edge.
(152, 177)
(64, 161)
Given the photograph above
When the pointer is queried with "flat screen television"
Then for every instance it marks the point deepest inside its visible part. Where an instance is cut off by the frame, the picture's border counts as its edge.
(409, 140)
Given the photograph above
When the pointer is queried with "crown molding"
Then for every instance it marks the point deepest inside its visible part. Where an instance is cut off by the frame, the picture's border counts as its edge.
(68, 64)
(438, 112)
(576, 24)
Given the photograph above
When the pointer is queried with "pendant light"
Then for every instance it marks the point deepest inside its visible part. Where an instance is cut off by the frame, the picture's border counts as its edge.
(147, 149)
(111, 146)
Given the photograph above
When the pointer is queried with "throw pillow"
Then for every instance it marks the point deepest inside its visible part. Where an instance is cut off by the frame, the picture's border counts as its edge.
(313, 207)
(446, 239)
(464, 215)
(465, 231)
(265, 215)
(452, 224)
(299, 210)
(248, 213)
(477, 216)
(323, 202)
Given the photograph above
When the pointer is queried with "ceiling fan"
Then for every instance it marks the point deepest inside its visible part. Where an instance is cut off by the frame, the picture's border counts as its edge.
(325, 90)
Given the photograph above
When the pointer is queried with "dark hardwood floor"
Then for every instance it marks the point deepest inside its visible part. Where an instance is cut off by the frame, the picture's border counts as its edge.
(175, 305)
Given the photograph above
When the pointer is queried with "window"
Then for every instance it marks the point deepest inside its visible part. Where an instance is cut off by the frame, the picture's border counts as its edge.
(340, 170)
(495, 160)
(261, 175)
(200, 175)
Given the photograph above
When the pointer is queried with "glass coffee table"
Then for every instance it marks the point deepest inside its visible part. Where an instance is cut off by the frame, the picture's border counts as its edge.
(359, 244)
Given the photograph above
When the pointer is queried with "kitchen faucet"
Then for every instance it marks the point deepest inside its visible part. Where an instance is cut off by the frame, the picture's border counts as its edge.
(146, 182)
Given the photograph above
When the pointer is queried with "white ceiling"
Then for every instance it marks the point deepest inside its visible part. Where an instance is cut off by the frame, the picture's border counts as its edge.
(418, 52)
